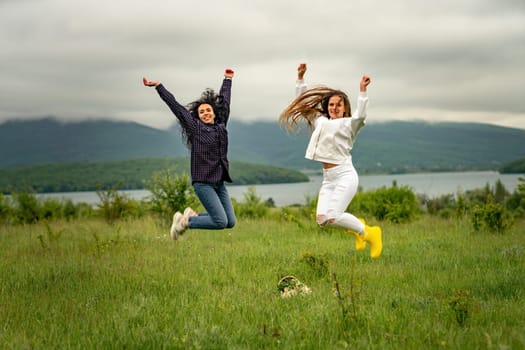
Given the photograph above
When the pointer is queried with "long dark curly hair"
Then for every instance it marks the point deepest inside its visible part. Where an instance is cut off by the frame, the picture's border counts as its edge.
(220, 108)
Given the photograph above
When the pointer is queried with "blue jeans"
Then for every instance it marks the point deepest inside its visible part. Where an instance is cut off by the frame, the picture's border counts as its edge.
(217, 203)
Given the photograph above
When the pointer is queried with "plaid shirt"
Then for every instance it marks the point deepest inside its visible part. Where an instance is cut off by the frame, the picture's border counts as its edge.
(209, 142)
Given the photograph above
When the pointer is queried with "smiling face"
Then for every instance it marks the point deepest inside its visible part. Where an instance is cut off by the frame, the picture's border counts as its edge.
(336, 107)
(206, 113)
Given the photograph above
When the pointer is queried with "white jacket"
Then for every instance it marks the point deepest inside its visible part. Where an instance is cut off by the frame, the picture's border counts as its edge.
(332, 139)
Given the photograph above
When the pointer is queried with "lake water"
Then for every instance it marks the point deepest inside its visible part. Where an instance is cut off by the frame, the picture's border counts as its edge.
(430, 184)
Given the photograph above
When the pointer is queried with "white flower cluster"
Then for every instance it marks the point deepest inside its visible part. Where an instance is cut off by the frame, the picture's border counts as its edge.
(293, 287)
(289, 292)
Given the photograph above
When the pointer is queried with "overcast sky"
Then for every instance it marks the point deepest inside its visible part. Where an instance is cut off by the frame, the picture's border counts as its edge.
(461, 60)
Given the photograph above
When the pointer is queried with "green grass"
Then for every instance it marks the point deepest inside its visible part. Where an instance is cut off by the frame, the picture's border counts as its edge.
(89, 285)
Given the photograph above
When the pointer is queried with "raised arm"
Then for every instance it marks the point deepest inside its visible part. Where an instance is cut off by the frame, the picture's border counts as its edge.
(362, 100)
(301, 70)
(300, 85)
(359, 117)
(182, 114)
(225, 91)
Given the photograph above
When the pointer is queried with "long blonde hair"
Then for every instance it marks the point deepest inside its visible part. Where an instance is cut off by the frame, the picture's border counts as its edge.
(309, 105)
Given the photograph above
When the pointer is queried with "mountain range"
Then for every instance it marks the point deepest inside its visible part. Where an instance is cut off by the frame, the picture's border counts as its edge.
(389, 147)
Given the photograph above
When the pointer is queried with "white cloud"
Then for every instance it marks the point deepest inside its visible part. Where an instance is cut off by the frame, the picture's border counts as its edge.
(428, 60)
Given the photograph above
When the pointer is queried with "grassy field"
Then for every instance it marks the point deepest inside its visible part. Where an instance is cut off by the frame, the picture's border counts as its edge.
(89, 285)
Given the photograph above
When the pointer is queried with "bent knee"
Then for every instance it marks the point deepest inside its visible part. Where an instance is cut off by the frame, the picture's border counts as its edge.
(221, 225)
(323, 220)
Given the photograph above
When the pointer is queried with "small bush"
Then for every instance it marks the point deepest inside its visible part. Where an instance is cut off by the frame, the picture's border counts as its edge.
(462, 304)
(516, 201)
(51, 208)
(84, 210)
(26, 207)
(436, 205)
(5, 209)
(394, 204)
(170, 193)
(252, 206)
(309, 210)
(69, 210)
(114, 205)
(461, 207)
(491, 216)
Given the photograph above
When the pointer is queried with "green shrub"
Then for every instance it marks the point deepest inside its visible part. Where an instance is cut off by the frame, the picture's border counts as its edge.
(309, 209)
(472, 200)
(170, 193)
(51, 208)
(26, 207)
(83, 210)
(435, 205)
(446, 206)
(500, 192)
(114, 204)
(491, 216)
(462, 304)
(5, 209)
(516, 201)
(461, 207)
(252, 206)
(478, 195)
(394, 204)
(69, 210)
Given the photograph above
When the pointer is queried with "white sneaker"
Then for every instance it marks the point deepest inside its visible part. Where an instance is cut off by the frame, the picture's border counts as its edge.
(189, 212)
(178, 226)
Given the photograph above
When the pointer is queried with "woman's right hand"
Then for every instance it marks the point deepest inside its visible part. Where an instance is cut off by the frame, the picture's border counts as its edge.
(149, 82)
(301, 70)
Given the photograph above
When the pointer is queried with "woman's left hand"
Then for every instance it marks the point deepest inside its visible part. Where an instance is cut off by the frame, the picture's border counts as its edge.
(365, 81)
(228, 73)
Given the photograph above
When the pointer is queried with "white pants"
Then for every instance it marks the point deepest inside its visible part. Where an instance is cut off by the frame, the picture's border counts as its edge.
(337, 190)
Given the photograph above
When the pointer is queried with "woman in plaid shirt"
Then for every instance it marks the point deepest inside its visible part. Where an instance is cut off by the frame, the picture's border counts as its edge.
(203, 125)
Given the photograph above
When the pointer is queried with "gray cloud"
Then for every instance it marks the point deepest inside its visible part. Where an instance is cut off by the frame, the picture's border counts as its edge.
(430, 61)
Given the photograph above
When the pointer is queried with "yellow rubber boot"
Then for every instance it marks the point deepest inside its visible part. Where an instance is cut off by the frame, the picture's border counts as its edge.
(360, 243)
(373, 236)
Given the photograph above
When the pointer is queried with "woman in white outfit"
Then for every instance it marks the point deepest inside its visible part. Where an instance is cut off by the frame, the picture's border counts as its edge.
(327, 112)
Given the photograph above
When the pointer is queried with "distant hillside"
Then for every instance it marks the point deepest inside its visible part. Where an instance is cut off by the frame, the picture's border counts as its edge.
(441, 146)
(381, 147)
(50, 141)
(126, 174)
(515, 167)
